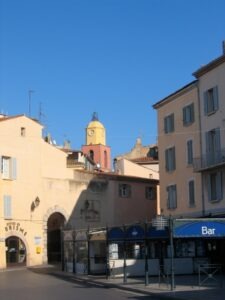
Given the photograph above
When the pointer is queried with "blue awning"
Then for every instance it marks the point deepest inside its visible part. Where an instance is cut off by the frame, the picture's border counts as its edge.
(135, 232)
(116, 234)
(154, 233)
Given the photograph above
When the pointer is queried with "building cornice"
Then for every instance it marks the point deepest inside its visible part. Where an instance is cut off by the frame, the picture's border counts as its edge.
(210, 66)
(176, 94)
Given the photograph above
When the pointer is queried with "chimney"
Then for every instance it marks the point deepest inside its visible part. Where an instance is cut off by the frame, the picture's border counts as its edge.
(223, 44)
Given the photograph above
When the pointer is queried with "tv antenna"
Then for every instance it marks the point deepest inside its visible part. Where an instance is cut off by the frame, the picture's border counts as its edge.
(29, 96)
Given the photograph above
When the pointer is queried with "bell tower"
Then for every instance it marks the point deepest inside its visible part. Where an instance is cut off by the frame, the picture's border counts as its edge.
(96, 147)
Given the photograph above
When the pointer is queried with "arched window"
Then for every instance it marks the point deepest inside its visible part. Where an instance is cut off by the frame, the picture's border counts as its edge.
(105, 159)
(91, 154)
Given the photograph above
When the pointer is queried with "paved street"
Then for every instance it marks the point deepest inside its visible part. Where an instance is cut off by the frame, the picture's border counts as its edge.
(34, 285)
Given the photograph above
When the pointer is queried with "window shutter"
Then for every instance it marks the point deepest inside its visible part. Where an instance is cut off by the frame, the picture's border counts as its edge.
(167, 159)
(219, 186)
(173, 158)
(165, 125)
(14, 168)
(206, 103)
(192, 112)
(215, 98)
(7, 206)
(217, 139)
(209, 187)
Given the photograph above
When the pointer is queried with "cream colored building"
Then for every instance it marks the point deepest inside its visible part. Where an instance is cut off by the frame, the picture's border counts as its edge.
(191, 140)
(178, 141)
(41, 192)
(211, 163)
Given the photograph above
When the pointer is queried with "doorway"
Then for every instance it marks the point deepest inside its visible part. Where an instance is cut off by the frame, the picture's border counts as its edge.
(55, 224)
(15, 252)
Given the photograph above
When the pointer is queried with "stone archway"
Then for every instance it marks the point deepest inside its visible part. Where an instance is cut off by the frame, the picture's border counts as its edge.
(53, 222)
(17, 250)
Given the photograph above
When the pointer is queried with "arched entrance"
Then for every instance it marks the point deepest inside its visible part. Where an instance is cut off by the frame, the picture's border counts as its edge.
(54, 225)
(15, 252)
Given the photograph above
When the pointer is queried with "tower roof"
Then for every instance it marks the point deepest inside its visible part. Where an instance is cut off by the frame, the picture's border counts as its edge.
(95, 123)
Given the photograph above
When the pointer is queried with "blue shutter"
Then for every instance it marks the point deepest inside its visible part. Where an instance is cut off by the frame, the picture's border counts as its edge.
(209, 187)
(219, 186)
(167, 159)
(215, 98)
(192, 112)
(14, 168)
(173, 159)
(165, 125)
(7, 207)
(217, 140)
(206, 108)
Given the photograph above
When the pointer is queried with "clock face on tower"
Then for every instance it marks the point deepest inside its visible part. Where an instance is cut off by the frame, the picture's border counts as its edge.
(90, 132)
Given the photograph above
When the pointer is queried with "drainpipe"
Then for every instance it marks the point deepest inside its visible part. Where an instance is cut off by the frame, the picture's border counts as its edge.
(201, 149)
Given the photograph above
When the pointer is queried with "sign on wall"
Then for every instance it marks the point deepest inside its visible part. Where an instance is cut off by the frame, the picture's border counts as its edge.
(199, 228)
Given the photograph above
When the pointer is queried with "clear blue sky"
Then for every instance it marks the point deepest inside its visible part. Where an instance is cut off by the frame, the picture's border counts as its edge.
(115, 57)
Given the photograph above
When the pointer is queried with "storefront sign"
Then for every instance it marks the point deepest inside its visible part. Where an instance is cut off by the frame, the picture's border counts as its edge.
(16, 227)
(199, 228)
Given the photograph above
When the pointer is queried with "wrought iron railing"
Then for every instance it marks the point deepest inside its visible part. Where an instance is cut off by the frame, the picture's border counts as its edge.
(209, 160)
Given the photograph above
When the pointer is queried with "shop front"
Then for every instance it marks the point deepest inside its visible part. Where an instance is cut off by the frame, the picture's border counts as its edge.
(179, 247)
(199, 242)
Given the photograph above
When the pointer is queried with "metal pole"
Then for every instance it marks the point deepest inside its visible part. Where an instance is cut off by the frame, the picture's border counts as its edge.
(172, 253)
(62, 249)
(146, 256)
(74, 260)
(124, 257)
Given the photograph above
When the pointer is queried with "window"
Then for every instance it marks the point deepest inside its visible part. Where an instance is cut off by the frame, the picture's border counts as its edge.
(8, 167)
(170, 158)
(188, 114)
(169, 123)
(105, 159)
(150, 192)
(190, 152)
(213, 146)
(91, 154)
(7, 207)
(215, 186)
(211, 103)
(172, 196)
(124, 190)
(191, 192)
(23, 131)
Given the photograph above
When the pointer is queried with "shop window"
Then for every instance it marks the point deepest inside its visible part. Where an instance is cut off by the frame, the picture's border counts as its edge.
(185, 248)
(135, 250)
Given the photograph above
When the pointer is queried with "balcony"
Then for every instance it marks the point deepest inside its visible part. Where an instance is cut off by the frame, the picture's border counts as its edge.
(209, 161)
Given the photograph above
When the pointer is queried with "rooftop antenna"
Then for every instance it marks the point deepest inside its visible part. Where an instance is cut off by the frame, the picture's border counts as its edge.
(29, 95)
(41, 114)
